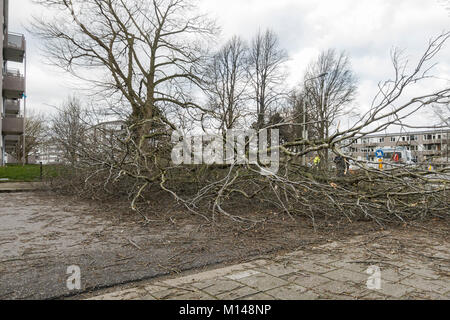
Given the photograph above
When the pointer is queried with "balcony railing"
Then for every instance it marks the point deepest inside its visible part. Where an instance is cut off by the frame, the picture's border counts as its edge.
(12, 126)
(431, 152)
(12, 140)
(12, 106)
(14, 47)
(13, 84)
(405, 143)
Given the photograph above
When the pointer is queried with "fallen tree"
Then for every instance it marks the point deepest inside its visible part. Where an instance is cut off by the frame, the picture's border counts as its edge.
(148, 71)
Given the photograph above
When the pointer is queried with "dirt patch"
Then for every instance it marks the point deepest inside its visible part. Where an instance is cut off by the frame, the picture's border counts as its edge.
(41, 234)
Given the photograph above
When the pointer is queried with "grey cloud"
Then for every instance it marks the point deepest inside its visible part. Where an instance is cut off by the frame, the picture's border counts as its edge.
(366, 29)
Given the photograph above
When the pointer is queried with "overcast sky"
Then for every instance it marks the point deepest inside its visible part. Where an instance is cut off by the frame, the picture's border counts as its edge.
(366, 29)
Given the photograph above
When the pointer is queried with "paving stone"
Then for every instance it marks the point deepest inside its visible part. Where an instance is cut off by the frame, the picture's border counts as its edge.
(155, 287)
(191, 296)
(313, 266)
(425, 296)
(423, 284)
(332, 296)
(237, 294)
(347, 275)
(242, 275)
(235, 268)
(308, 295)
(211, 274)
(328, 257)
(342, 289)
(299, 254)
(261, 262)
(393, 275)
(397, 263)
(423, 271)
(127, 294)
(217, 286)
(259, 296)
(97, 298)
(171, 293)
(396, 290)
(289, 292)
(277, 270)
(307, 280)
(374, 296)
(263, 282)
(356, 267)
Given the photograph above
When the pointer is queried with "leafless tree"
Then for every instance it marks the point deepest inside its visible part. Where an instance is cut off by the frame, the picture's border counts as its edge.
(330, 87)
(144, 55)
(68, 129)
(141, 56)
(226, 83)
(443, 115)
(35, 134)
(266, 72)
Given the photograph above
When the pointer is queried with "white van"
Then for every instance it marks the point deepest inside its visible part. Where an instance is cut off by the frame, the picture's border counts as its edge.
(393, 158)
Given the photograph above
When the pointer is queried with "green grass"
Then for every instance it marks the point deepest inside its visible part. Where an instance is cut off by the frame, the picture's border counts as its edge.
(27, 173)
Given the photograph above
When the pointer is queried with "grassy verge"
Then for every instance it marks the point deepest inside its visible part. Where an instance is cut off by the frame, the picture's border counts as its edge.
(27, 173)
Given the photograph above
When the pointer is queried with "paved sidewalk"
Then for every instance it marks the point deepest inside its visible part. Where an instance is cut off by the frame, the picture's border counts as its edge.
(414, 267)
(8, 187)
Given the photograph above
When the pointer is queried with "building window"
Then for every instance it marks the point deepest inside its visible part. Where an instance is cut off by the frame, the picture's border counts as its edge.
(381, 140)
(393, 139)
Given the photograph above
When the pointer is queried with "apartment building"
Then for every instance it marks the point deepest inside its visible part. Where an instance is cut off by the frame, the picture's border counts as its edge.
(49, 153)
(12, 56)
(425, 146)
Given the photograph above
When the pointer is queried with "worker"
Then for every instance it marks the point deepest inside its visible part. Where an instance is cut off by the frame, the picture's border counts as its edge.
(347, 166)
(316, 162)
(341, 165)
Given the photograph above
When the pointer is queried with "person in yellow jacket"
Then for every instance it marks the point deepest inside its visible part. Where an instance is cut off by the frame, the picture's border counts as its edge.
(316, 162)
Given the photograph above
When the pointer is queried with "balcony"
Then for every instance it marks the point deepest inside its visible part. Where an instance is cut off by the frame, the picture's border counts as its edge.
(431, 152)
(14, 47)
(13, 84)
(11, 143)
(431, 142)
(12, 126)
(12, 107)
(10, 149)
(12, 140)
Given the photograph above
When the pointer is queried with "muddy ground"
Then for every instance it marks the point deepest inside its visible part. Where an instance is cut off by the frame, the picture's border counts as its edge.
(42, 234)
